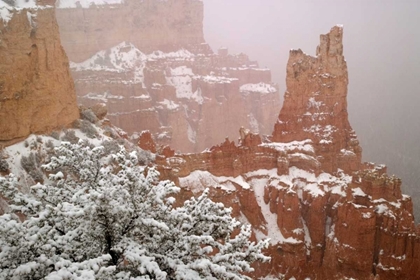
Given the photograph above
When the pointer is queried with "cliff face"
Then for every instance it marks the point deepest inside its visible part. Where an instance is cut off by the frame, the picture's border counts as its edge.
(150, 25)
(328, 215)
(159, 75)
(36, 89)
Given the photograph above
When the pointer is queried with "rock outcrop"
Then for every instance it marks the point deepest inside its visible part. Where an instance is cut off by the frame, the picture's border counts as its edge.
(158, 74)
(328, 215)
(36, 89)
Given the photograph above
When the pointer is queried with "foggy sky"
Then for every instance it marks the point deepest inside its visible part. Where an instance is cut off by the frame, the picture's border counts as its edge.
(382, 49)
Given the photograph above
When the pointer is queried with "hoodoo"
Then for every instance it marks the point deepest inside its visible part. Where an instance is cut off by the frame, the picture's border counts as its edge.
(315, 104)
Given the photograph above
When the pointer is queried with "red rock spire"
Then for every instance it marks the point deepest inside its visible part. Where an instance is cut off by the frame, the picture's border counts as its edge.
(315, 105)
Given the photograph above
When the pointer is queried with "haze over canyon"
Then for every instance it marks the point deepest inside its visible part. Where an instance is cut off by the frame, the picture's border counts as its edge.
(127, 95)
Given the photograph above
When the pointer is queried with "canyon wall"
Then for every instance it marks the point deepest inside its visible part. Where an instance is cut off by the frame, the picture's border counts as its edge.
(148, 24)
(149, 63)
(327, 214)
(36, 89)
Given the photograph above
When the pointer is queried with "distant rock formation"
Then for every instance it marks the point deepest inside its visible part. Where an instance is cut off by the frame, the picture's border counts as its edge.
(328, 215)
(150, 25)
(148, 61)
(36, 89)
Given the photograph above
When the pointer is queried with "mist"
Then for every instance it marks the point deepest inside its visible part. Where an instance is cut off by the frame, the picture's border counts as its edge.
(381, 45)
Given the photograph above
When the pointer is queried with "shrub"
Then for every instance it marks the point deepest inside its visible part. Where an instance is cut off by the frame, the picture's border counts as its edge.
(55, 134)
(4, 166)
(31, 164)
(70, 136)
(88, 129)
(89, 115)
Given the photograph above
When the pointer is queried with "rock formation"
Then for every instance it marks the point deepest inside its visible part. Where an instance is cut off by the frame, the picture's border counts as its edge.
(328, 215)
(158, 74)
(150, 25)
(36, 89)
(315, 104)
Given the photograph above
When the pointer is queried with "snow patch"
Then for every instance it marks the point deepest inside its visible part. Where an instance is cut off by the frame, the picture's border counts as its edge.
(294, 146)
(199, 180)
(262, 88)
(7, 10)
(169, 104)
(192, 134)
(274, 233)
(358, 192)
(63, 4)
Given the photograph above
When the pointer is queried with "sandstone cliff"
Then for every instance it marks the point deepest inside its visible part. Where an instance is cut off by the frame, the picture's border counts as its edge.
(159, 75)
(328, 215)
(36, 89)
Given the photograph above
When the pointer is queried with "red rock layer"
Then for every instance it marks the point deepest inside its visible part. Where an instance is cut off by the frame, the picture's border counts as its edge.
(36, 89)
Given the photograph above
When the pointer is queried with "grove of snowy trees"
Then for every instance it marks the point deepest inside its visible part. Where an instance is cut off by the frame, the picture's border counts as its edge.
(102, 215)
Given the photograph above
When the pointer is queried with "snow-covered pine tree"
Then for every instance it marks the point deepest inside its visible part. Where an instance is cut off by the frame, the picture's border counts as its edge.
(103, 216)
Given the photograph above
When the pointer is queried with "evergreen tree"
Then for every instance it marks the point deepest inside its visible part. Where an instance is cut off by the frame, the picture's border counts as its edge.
(102, 216)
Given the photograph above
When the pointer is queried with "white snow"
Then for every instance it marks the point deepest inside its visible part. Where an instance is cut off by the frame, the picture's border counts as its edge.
(192, 134)
(312, 103)
(199, 180)
(262, 88)
(302, 180)
(181, 54)
(322, 131)
(274, 233)
(308, 240)
(358, 192)
(294, 146)
(169, 104)
(367, 215)
(181, 71)
(347, 153)
(211, 79)
(20, 4)
(120, 58)
(103, 97)
(85, 3)
(7, 11)
(5, 14)
(181, 79)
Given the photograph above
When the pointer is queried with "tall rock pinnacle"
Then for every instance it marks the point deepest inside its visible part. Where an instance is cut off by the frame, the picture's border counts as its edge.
(315, 105)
